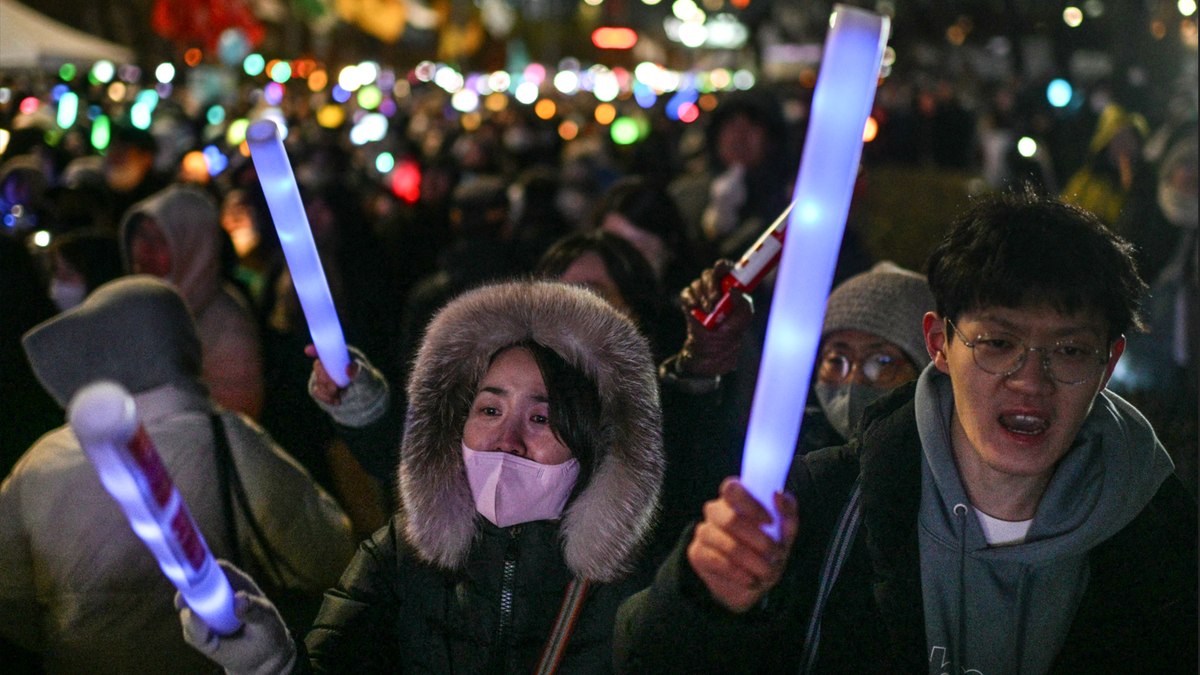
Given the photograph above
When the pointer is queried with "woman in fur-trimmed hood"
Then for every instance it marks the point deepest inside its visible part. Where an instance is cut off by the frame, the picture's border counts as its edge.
(469, 578)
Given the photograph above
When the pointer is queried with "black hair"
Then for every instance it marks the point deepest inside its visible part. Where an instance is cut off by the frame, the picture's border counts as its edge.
(574, 407)
(1021, 248)
(93, 252)
(627, 267)
(646, 204)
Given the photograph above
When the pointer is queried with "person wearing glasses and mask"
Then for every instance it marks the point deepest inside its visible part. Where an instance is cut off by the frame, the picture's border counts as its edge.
(1004, 513)
(871, 342)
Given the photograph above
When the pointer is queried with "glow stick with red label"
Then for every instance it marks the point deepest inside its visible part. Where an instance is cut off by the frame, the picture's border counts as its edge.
(756, 263)
(295, 237)
(832, 148)
(104, 418)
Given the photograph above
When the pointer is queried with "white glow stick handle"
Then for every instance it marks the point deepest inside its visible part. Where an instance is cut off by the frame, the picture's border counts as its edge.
(295, 236)
(832, 148)
(104, 418)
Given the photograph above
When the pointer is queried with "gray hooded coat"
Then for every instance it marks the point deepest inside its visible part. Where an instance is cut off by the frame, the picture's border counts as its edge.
(76, 584)
(232, 355)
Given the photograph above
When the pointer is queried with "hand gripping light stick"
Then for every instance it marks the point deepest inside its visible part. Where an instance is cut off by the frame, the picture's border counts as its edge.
(287, 210)
(104, 418)
(755, 263)
(832, 148)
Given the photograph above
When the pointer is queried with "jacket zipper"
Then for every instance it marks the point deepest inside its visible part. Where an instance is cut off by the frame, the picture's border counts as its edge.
(507, 581)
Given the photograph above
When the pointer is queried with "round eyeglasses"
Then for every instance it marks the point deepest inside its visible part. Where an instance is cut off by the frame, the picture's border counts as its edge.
(1065, 361)
(884, 370)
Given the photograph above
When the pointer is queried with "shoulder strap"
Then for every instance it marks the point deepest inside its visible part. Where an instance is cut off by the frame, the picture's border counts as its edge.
(224, 460)
(839, 549)
(563, 626)
(236, 500)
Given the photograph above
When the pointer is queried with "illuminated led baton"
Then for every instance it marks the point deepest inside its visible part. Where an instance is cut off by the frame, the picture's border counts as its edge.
(832, 147)
(755, 263)
(104, 418)
(283, 198)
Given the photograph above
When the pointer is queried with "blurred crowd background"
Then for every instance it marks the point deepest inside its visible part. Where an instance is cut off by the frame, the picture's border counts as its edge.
(441, 145)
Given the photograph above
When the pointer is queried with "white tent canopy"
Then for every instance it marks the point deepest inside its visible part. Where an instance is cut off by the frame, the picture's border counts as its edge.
(32, 40)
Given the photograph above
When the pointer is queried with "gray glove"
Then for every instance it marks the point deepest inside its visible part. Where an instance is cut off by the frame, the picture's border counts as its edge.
(362, 401)
(262, 646)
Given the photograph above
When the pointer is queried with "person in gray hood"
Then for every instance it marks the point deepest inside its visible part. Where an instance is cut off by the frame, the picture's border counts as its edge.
(175, 235)
(77, 586)
(1005, 513)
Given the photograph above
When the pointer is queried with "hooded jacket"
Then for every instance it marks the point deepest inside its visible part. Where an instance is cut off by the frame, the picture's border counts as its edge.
(76, 584)
(1136, 611)
(232, 354)
(440, 589)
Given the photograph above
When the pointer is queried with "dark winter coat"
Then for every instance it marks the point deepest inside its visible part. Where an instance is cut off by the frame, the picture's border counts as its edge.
(442, 590)
(1138, 613)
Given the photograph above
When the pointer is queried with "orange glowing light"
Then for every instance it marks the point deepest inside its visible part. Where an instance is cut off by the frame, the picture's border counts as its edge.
(192, 57)
(871, 130)
(605, 113)
(609, 37)
(194, 167)
(568, 130)
(545, 109)
(317, 80)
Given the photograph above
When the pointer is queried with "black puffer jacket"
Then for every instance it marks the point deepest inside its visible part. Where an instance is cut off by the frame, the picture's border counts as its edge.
(442, 590)
(1138, 613)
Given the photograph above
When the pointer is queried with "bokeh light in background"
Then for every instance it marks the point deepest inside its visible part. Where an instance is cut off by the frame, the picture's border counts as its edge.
(1059, 93)
(871, 130)
(254, 64)
(281, 72)
(164, 73)
(545, 109)
(102, 71)
(101, 133)
(406, 181)
(1027, 147)
(624, 131)
(194, 167)
(605, 113)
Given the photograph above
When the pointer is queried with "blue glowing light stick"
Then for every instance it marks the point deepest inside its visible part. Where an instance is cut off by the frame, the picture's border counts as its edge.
(104, 418)
(287, 210)
(832, 148)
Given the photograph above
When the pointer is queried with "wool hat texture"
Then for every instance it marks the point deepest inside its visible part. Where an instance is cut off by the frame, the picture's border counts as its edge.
(888, 301)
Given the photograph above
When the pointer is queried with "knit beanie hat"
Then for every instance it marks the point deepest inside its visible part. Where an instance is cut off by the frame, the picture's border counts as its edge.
(888, 301)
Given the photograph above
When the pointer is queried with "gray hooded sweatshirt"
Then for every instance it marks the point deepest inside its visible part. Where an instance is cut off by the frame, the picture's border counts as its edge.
(232, 356)
(1007, 609)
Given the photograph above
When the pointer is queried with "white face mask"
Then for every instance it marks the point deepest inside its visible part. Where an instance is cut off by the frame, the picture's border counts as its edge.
(510, 490)
(66, 294)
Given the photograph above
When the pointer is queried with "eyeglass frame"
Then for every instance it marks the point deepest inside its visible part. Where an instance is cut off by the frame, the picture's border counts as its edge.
(899, 360)
(1045, 356)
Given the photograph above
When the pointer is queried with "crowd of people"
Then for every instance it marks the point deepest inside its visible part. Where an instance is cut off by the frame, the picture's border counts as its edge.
(536, 445)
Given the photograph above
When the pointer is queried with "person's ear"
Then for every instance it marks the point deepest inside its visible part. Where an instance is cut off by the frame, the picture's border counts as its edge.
(935, 340)
(1118, 348)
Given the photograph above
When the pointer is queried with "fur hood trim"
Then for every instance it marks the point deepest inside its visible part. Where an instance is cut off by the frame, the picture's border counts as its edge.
(604, 525)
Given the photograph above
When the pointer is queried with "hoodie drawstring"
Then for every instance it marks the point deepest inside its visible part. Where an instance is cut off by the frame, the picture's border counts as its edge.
(961, 511)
